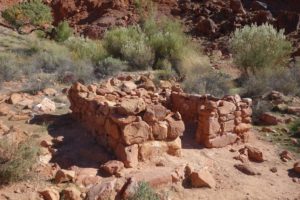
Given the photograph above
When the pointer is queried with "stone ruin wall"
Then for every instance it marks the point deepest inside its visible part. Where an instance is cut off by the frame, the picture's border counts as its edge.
(129, 121)
(137, 121)
(219, 122)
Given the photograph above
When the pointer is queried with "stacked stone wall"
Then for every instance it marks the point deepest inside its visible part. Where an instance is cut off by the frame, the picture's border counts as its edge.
(220, 122)
(127, 117)
(138, 121)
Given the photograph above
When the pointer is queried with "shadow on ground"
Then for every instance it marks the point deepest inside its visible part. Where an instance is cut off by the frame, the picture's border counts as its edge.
(77, 147)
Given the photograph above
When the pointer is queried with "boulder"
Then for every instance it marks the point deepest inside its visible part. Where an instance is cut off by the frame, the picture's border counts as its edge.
(64, 176)
(269, 118)
(15, 98)
(113, 167)
(103, 191)
(237, 6)
(152, 149)
(161, 177)
(206, 27)
(45, 106)
(254, 154)
(246, 169)
(71, 193)
(286, 155)
(202, 178)
(136, 133)
(297, 167)
(50, 194)
(221, 141)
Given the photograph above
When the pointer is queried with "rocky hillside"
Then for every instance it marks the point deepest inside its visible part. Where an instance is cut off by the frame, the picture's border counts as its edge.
(211, 20)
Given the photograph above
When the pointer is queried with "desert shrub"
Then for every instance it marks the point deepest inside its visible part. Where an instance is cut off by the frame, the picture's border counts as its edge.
(167, 40)
(9, 67)
(33, 12)
(295, 128)
(207, 82)
(80, 70)
(50, 56)
(86, 49)
(129, 44)
(63, 31)
(109, 66)
(144, 192)
(16, 160)
(38, 81)
(282, 80)
(259, 47)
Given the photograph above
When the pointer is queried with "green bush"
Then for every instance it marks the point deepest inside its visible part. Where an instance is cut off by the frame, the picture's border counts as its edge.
(9, 67)
(144, 192)
(109, 66)
(50, 56)
(80, 70)
(33, 12)
(129, 44)
(207, 81)
(284, 80)
(258, 47)
(167, 40)
(86, 49)
(16, 160)
(63, 31)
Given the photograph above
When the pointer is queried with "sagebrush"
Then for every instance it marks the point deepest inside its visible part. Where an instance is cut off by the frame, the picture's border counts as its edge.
(256, 48)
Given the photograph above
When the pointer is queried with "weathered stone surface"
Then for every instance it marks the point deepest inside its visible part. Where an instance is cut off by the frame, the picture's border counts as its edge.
(71, 193)
(226, 108)
(246, 169)
(297, 167)
(128, 155)
(50, 194)
(174, 147)
(176, 128)
(255, 154)
(161, 177)
(237, 6)
(242, 128)
(270, 119)
(160, 130)
(45, 106)
(64, 176)
(152, 149)
(128, 86)
(15, 98)
(222, 141)
(132, 106)
(136, 132)
(103, 191)
(202, 178)
(155, 113)
(113, 167)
